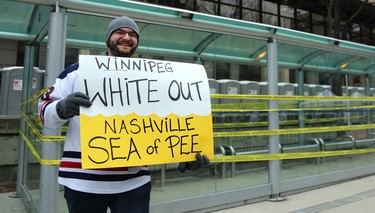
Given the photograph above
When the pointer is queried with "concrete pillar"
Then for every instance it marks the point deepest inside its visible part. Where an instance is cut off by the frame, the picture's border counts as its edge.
(284, 75)
(234, 71)
(209, 66)
(263, 74)
(312, 77)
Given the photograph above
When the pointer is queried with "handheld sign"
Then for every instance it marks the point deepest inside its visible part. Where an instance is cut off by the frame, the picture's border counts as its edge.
(144, 112)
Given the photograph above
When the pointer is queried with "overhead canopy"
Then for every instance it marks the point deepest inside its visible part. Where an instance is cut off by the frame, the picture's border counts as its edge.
(186, 34)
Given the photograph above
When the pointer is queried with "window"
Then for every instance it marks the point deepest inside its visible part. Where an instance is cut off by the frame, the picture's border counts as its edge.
(249, 73)
(318, 24)
(222, 70)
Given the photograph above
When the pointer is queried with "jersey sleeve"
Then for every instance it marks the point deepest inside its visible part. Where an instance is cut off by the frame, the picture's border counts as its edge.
(64, 85)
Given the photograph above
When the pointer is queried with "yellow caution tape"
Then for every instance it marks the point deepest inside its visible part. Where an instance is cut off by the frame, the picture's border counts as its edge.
(292, 131)
(35, 153)
(237, 158)
(35, 131)
(242, 108)
(291, 98)
(286, 122)
(35, 96)
(288, 156)
(249, 107)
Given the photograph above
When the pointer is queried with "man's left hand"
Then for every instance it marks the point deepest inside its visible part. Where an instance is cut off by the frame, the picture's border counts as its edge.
(200, 162)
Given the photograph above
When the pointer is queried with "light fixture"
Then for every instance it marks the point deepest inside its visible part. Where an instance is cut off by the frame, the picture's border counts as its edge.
(343, 66)
(261, 55)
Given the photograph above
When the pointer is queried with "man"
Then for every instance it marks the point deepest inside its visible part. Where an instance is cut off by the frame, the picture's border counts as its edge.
(125, 189)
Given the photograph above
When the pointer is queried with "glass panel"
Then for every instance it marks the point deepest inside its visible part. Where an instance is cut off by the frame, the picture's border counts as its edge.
(249, 15)
(250, 10)
(314, 58)
(250, 73)
(20, 18)
(222, 70)
(355, 34)
(85, 27)
(293, 54)
(250, 4)
(367, 33)
(329, 60)
(303, 20)
(207, 7)
(303, 15)
(286, 11)
(303, 26)
(159, 42)
(233, 46)
(34, 166)
(287, 17)
(287, 23)
(361, 64)
(270, 19)
(12, 21)
(169, 38)
(269, 7)
(270, 13)
(33, 173)
(318, 24)
(230, 11)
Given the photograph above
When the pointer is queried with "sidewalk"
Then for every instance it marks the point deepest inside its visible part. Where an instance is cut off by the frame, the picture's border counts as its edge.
(352, 196)
(9, 204)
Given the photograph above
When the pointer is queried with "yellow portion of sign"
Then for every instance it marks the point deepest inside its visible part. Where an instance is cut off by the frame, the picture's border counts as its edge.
(134, 140)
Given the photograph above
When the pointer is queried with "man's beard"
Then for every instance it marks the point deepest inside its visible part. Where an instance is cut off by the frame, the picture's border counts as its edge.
(117, 52)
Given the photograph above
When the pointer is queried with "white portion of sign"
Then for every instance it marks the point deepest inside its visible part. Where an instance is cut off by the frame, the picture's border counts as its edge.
(143, 86)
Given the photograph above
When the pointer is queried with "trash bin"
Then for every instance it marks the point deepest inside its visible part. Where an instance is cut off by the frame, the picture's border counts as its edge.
(11, 86)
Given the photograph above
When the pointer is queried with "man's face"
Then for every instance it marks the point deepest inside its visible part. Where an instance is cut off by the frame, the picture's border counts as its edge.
(122, 42)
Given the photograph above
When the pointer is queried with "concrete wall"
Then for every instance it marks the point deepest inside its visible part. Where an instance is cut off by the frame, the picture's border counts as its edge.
(8, 52)
(9, 139)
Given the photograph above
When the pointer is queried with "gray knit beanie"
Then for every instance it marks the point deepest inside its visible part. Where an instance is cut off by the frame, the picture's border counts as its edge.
(121, 22)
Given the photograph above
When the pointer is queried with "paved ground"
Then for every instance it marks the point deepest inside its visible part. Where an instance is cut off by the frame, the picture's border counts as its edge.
(356, 196)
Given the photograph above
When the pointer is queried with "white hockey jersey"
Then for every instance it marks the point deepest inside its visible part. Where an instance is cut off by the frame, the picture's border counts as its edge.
(71, 174)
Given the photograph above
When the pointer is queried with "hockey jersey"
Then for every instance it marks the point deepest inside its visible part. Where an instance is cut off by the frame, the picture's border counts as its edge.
(71, 174)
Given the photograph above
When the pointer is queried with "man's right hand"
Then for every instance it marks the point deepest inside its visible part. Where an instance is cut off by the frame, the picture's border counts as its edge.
(69, 106)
